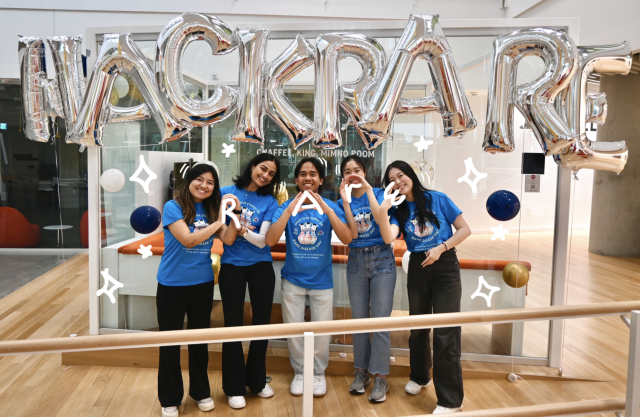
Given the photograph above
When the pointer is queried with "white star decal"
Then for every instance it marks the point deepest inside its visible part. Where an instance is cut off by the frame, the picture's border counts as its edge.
(423, 145)
(468, 163)
(479, 293)
(228, 149)
(499, 232)
(145, 251)
(151, 176)
(107, 279)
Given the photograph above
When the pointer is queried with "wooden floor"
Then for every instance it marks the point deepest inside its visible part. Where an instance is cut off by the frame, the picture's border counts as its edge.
(56, 305)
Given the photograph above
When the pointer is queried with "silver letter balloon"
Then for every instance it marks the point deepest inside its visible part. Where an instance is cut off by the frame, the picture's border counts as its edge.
(555, 106)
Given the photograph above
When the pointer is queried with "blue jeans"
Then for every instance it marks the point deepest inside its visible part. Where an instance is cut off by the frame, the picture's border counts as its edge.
(371, 279)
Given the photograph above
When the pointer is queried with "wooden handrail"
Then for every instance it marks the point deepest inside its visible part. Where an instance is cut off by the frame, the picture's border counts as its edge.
(219, 335)
(544, 410)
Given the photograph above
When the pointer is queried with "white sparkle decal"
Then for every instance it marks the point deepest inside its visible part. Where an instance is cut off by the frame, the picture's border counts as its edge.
(145, 251)
(423, 145)
(107, 279)
(468, 163)
(143, 167)
(479, 293)
(499, 232)
(228, 149)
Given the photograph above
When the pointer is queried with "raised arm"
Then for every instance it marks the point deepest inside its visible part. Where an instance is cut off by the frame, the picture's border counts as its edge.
(348, 214)
(388, 231)
(342, 229)
(182, 233)
(277, 229)
(228, 234)
(258, 239)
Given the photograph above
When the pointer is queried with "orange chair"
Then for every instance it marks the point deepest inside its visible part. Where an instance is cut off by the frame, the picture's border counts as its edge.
(16, 231)
(84, 229)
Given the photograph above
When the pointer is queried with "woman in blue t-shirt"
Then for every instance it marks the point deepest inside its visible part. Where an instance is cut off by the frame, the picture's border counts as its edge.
(371, 277)
(185, 282)
(248, 261)
(433, 280)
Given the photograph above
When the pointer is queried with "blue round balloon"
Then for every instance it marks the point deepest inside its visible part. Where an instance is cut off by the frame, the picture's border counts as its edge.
(145, 219)
(503, 205)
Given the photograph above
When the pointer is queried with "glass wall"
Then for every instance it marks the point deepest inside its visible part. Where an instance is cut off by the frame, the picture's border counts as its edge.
(43, 186)
(455, 166)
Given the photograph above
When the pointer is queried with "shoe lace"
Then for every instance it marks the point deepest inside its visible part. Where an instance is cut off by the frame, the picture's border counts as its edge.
(360, 377)
(298, 377)
(378, 384)
(318, 378)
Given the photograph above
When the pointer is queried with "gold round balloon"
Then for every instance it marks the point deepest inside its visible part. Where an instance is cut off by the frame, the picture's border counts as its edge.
(282, 195)
(515, 275)
(215, 264)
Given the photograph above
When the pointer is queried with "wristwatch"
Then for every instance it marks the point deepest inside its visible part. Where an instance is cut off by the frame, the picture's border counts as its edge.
(237, 211)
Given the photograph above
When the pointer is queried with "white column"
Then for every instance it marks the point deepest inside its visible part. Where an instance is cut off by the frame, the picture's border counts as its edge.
(95, 240)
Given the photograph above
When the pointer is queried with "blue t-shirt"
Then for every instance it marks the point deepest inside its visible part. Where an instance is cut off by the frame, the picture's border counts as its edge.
(255, 209)
(368, 230)
(308, 237)
(181, 266)
(422, 239)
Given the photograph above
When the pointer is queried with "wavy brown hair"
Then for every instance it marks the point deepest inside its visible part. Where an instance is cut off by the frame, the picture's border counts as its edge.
(185, 199)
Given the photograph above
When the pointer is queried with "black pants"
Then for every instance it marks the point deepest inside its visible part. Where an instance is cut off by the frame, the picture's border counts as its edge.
(173, 303)
(233, 282)
(436, 289)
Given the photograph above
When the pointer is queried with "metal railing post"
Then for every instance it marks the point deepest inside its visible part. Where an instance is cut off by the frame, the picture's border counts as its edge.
(307, 393)
(632, 408)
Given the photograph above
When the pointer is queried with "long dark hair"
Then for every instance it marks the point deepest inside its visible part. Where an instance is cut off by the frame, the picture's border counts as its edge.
(316, 163)
(421, 196)
(185, 199)
(244, 180)
(354, 158)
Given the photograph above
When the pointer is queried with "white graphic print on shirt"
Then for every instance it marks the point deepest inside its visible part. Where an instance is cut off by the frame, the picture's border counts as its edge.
(423, 231)
(307, 234)
(363, 222)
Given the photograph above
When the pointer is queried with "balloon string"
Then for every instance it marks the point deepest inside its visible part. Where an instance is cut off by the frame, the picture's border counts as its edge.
(566, 285)
(61, 231)
(513, 335)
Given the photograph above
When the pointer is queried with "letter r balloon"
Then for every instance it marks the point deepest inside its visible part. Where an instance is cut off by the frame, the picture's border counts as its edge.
(422, 38)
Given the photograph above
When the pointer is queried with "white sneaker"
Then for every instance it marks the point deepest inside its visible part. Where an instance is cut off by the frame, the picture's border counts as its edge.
(297, 385)
(169, 411)
(319, 386)
(237, 402)
(414, 388)
(206, 404)
(266, 392)
(444, 410)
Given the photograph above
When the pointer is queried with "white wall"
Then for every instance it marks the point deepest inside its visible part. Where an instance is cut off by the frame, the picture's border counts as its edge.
(599, 25)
